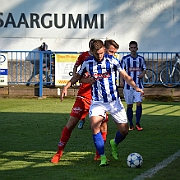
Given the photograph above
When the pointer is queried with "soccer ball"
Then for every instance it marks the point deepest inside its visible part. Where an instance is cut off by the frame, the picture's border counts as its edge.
(134, 160)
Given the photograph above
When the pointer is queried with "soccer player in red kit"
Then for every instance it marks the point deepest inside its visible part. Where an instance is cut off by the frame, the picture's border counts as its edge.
(80, 60)
(79, 111)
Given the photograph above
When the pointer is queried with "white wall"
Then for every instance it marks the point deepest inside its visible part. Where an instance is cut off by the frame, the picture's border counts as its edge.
(155, 25)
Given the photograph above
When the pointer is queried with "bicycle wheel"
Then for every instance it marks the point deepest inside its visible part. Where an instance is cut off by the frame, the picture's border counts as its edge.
(168, 78)
(149, 78)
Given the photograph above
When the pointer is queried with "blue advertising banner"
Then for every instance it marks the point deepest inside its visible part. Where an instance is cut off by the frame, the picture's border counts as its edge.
(3, 69)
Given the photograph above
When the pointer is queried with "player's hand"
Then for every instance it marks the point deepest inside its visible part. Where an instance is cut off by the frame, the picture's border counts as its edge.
(141, 76)
(139, 90)
(63, 93)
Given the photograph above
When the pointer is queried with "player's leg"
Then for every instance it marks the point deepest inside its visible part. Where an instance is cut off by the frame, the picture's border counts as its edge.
(103, 127)
(130, 116)
(128, 96)
(97, 114)
(138, 100)
(65, 135)
(119, 137)
(98, 139)
(121, 121)
(103, 130)
(75, 115)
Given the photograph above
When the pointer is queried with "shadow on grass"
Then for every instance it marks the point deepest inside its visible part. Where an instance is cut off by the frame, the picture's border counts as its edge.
(29, 140)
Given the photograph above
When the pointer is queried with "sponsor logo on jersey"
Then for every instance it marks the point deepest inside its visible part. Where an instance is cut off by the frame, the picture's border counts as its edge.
(134, 69)
(101, 76)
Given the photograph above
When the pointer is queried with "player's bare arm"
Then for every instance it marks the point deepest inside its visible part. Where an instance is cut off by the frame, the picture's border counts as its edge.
(64, 90)
(87, 80)
(72, 81)
(130, 81)
(75, 69)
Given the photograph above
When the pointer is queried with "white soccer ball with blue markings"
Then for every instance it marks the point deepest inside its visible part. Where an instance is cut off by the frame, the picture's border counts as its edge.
(134, 160)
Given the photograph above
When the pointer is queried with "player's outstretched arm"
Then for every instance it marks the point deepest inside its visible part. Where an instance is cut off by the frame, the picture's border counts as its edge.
(72, 81)
(64, 90)
(87, 80)
(75, 69)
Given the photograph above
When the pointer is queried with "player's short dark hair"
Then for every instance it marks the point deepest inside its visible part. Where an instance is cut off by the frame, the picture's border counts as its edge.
(90, 42)
(112, 42)
(97, 44)
(133, 42)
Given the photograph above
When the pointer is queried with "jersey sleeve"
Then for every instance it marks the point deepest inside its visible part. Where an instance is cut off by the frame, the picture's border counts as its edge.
(82, 70)
(117, 62)
(144, 65)
(79, 60)
(123, 63)
(82, 57)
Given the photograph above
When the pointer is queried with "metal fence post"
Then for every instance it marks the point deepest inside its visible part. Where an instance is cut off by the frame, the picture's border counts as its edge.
(41, 75)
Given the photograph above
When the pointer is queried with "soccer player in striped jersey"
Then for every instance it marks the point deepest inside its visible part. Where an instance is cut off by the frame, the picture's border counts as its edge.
(105, 98)
(79, 111)
(135, 67)
(111, 48)
(83, 93)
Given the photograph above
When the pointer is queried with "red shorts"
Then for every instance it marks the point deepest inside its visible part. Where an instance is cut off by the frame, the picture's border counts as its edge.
(80, 108)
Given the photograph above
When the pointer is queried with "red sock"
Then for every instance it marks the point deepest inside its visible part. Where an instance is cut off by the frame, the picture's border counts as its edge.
(65, 135)
(104, 134)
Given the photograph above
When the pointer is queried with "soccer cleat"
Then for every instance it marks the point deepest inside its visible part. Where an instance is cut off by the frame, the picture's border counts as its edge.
(97, 157)
(81, 124)
(56, 158)
(114, 149)
(138, 127)
(131, 127)
(104, 161)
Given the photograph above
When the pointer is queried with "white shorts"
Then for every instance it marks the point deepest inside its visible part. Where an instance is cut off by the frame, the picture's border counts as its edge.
(115, 108)
(131, 96)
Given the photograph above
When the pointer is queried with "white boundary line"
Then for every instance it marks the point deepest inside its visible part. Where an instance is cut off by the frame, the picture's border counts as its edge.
(161, 165)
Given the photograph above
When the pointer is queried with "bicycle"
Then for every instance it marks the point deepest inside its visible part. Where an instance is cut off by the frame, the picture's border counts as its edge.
(2, 58)
(170, 75)
(149, 78)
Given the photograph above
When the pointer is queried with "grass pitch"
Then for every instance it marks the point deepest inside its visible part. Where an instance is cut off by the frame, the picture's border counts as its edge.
(30, 131)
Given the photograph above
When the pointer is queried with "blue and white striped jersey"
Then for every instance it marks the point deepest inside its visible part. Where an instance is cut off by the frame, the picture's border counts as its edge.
(133, 67)
(104, 72)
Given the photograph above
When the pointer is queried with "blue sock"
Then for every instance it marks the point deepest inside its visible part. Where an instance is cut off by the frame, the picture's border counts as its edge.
(130, 115)
(99, 143)
(138, 114)
(119, 138)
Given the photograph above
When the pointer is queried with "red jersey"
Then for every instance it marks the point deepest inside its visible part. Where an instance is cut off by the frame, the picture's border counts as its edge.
(82, 57)
(84, 89)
